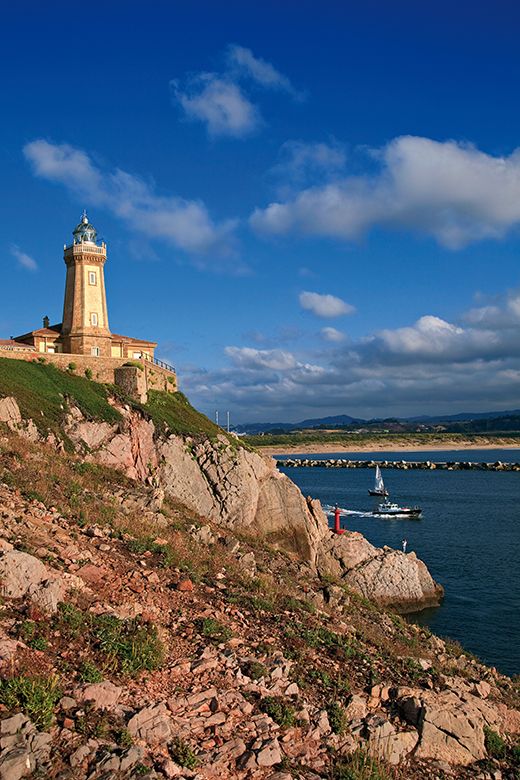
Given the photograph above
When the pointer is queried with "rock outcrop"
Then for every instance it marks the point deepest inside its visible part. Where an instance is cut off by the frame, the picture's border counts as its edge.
(243, 490)
(387, 576)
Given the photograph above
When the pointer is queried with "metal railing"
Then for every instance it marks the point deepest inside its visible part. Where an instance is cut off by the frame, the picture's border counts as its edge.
(12, 348)
(157, 362)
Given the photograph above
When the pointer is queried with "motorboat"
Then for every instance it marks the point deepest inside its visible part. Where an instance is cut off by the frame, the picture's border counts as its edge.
(379, 486)
(390, 509)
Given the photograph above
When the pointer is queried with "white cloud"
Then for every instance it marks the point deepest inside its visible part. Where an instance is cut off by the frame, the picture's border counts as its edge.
(243, 63)
(24, 260)
(186, 224)
(324, 305)
(250, 358)
(448, 190)
(300, 160)
(331, 334)
(218, 102)
(431, 366)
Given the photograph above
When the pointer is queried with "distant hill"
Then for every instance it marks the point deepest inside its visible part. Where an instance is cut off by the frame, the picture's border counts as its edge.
(506, 420)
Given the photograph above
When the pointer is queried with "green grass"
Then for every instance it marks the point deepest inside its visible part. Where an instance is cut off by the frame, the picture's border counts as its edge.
(126, 646)
(174, 411)
(42, 389)
(337, 717)
(213, 630)
(129, 645)
(35, 697)
(278, 709)
(353, 440)
(360, 766)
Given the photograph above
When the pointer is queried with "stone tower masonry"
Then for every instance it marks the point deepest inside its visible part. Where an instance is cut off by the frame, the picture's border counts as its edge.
(85, 328)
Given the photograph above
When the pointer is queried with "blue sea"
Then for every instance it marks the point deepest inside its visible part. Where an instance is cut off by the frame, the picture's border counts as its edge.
(469, 537)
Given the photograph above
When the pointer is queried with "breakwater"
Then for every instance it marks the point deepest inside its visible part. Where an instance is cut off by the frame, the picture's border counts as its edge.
(425, 465)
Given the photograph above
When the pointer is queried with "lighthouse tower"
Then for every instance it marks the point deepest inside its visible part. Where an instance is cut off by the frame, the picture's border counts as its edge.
(85, 328)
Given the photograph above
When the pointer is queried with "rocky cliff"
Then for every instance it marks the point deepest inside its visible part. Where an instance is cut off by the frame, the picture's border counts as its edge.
(138, 641)
(242, 489)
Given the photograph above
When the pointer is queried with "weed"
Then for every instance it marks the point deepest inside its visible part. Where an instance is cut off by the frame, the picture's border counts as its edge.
(36, 697)
(337, 717)
(131, 645)
(70, 620)
(494, 744)
(182, 754)
(88, 372)
(255, 670)
(360, 766)
(277, 709)
(89, 673)
(213, 630)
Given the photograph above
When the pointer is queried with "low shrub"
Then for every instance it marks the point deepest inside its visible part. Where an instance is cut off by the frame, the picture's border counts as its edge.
(88, 372)
(72, 366)
(494, 744)
(182, 754)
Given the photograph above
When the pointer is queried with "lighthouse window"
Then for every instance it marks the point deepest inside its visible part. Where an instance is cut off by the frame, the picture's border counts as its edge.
(95, 351)
(93, 318)
(92, 278)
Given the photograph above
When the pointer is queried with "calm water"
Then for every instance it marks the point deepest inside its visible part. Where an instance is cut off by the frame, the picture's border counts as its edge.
(469, 537)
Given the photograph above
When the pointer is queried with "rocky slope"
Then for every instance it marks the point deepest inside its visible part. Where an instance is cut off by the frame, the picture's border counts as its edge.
(234, 486)
(138, 639)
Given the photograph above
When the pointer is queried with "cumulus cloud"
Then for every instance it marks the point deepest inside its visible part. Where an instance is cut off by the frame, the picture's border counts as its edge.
(331, 334)
(186, 224)
(218, 102)
(325, 305)
(448, 190)
(431, 366)
(24, 260)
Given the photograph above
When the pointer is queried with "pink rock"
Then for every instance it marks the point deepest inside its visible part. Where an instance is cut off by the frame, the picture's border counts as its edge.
(104, 695)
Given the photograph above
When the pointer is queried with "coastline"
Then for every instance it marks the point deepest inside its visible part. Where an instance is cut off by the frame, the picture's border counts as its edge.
(387, 446)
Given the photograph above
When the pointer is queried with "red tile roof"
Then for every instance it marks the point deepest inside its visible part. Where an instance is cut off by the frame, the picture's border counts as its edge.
(117, 337)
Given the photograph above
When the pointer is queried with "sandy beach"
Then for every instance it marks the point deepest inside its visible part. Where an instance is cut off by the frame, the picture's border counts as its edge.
(394, 445)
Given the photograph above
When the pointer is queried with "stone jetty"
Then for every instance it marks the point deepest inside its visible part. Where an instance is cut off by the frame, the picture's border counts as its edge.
(428, 465)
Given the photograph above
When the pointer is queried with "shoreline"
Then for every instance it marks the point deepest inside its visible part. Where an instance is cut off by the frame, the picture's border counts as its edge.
(389, 446)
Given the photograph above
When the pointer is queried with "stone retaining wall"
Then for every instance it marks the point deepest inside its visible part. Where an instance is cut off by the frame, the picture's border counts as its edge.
(103, 368)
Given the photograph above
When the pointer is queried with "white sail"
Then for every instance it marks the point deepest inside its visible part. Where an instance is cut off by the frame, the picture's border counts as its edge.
(379, 484)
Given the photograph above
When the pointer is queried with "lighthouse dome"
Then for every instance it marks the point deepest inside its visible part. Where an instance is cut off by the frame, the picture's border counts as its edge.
(84, 231)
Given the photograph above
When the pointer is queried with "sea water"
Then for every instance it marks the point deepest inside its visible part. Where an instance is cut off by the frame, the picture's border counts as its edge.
(469, 537)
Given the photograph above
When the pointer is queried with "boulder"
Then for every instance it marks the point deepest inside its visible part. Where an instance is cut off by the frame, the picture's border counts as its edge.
(22, 574)
(103, 695)
(152, 724)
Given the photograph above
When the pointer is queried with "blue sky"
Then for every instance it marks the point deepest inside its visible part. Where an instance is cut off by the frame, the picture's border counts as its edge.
(312, 207)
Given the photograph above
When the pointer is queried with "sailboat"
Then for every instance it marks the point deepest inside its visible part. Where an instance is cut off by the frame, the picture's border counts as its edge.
(379, 485)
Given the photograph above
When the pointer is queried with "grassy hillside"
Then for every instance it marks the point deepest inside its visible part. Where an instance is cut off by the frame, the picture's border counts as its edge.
(42, 391)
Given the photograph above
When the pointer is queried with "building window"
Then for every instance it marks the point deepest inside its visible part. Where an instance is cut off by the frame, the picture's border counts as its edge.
(92, 277)
(138, 355)
(93, 318)
(95, 351)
